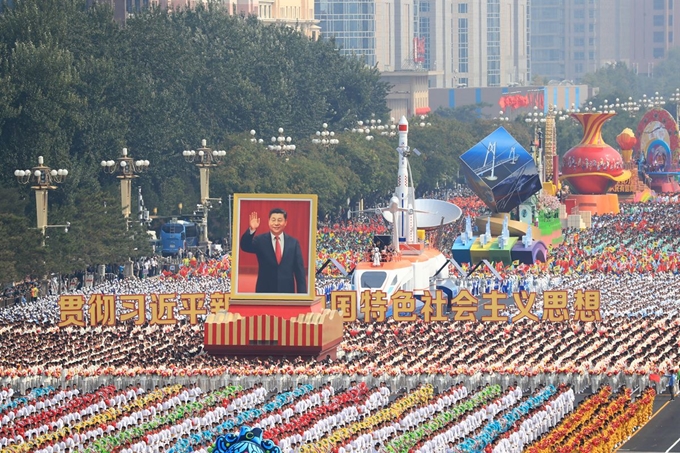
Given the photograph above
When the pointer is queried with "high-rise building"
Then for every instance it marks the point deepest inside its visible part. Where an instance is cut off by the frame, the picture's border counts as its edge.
(298, 14)
(463, 43)
(653, 31)
(570, 38)
(379, 31)
(476, 43)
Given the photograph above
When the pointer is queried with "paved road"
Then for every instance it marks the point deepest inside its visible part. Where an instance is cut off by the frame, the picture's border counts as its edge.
(662, 433)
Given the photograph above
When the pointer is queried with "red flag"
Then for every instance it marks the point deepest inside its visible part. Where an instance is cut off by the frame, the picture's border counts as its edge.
(655, 378)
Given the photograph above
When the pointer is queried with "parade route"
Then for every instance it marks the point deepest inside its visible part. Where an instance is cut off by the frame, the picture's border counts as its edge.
(662, 433)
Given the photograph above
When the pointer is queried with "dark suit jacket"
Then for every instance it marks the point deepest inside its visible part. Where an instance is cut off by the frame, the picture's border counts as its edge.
(272, 277)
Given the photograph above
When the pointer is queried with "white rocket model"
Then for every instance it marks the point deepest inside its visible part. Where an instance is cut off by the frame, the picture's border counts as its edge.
(405, 220)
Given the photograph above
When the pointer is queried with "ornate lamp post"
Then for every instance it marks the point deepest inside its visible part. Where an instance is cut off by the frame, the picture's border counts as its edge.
(630, 106)
(127, 169)
(205, 158)
(43, 179)
(325, 137)
(362, 128)
(422, 122)
(388, 130)
(502, 117)
(282, 145)
(254, 139)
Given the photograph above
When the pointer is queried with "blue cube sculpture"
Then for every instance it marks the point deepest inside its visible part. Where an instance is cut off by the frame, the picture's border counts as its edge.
(500, 171)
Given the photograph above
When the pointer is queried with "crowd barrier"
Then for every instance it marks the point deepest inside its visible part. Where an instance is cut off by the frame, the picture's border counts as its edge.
(281, 382)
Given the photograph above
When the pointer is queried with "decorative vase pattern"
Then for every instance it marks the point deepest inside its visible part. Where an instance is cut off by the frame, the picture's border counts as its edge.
(592, 166)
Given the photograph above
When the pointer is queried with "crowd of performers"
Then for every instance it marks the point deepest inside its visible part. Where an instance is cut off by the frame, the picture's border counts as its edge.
(396, 386)
(178, 418)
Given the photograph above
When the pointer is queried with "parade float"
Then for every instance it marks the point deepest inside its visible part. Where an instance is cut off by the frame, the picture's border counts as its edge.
(656, 151)
(267, 315)
(505, 177)
(592, 168)
(405, 261)
(295, 324)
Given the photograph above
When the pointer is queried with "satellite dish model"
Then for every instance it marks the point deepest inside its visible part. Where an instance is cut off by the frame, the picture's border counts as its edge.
(431, 213)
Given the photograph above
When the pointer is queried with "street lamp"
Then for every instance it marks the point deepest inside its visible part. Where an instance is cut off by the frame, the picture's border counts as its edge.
(281, 145)
(652, 102)
(388, 130)
(363, 129)
(422, 122)
(325, 137)
(43, 179)
(630, 106)
(205, 158)
(127, 169)
(253, 139)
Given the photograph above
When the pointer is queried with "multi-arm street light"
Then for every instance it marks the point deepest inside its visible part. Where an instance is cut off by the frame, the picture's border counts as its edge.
(205, 158)
(325, 137)
(43, 179)
(127, 169)
(282, 145)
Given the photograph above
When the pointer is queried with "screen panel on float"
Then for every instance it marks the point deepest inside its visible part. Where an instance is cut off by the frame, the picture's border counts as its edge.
(500, 171)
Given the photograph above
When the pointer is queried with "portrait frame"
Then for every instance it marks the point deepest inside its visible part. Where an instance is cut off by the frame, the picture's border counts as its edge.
(301, 224)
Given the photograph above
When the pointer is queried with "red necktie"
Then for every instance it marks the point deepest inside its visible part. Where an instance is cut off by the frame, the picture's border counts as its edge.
(277, 249)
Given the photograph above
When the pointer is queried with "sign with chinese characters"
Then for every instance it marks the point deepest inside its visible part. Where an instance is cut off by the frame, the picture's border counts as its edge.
(491, 307)
(163, 309)
(157, 309)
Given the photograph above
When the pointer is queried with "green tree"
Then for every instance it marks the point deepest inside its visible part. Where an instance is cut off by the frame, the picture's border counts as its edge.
(98, 234)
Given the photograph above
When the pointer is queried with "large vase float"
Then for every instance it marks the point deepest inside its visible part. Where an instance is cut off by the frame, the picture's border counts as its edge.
(592, 166)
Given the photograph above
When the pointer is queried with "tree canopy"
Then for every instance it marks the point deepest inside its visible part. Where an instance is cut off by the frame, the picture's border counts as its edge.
(76, 88)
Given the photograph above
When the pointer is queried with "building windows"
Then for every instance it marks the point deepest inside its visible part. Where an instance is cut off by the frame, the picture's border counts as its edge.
(658, 37)
(579, 42)
(463, 46)
(462, 8)
(591, 28)
(133, 6)
(658, 52)
(658, 20)
(265, 10)
(351, 23)
(670, 36)
(659, 4)
(578, 68)
(579, 13)
(579, 55)
(591, 42)
(670, 20)
(493, 45)
(579, 28)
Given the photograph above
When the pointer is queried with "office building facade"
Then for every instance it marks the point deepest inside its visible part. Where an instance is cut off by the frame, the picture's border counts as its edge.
(475, 43)
(378, 31)
(570, 38)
